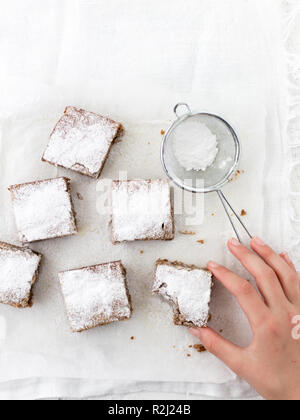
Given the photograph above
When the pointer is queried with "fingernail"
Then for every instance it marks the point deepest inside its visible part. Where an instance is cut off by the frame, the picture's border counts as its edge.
(195, 332)
(235, 242)
(212, 265)
(287, 257)
(259, 241)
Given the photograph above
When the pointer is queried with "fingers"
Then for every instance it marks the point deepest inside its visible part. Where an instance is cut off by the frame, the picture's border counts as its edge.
(248, 298)
(265, 276)
(282, 266)
(286, 258)
(224, 350)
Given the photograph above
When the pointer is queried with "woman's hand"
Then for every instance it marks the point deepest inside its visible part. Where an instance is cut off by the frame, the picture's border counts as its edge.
(271, 364)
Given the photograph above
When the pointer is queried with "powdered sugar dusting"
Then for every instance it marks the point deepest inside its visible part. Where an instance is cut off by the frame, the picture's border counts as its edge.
(141, 210)
(95, 295)
(81, 141)
(188, 289)
(43, 210)
(17, 274)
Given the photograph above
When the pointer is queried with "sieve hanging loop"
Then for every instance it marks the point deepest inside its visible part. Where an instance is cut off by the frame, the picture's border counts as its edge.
(181, 104)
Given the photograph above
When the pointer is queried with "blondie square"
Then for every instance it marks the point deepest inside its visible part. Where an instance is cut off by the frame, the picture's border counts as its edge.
(81, 141)
(96, 295)
(18, 273)
(43, 209)
(141, 210)
(187, 288)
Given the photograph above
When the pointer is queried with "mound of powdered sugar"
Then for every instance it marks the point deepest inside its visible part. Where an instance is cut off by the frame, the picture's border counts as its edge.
(195, 146)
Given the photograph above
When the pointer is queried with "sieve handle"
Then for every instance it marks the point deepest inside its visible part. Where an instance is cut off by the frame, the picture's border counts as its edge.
(227, 206)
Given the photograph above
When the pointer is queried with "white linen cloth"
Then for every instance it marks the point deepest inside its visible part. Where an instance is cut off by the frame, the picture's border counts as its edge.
(133, 60)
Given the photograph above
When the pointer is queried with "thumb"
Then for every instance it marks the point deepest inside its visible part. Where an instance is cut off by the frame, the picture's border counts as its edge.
(224, 350)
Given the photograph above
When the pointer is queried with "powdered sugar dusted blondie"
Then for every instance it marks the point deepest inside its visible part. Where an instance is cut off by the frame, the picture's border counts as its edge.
(188, 288)
(18, 273)
(81, 141)
(96, 295)
(141, 210)
(43, 209)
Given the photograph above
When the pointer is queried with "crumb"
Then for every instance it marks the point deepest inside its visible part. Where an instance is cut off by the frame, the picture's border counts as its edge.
(187, 232)
(201, 241)
(79, 196)
(235, 176)
(199, 348)
(162, 132)
(191, 346)
(243, 213)
(232, 215)
(148, 142)
(188, 355)
(132, 338)
(213, 214)
(141, 252)
(221, 331)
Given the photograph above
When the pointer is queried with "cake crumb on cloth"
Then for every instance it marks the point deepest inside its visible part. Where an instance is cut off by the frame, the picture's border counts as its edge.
(187, 232)
(200, 348)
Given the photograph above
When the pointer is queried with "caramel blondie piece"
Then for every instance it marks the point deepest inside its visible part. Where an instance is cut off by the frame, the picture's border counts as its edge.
(96, 295)
(19, 269)
(141, 210)
(43, 209)
(187, 288)
(81, 141)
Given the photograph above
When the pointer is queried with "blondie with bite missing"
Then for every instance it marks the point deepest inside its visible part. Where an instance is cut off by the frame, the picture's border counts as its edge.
(188, 288)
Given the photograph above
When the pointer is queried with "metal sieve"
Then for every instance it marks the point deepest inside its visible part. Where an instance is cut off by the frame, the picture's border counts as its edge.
(215, 176)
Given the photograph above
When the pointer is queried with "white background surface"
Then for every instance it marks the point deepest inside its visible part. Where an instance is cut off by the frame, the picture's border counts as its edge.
(161, 57)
